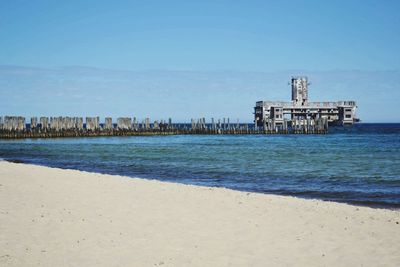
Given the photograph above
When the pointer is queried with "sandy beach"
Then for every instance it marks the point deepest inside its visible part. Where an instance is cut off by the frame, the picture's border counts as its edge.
(55, 217)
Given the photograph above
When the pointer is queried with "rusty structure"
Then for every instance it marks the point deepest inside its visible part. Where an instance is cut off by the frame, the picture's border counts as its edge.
(301, 113)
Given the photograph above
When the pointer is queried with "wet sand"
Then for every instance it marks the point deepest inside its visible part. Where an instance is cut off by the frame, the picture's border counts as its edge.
(55, 217)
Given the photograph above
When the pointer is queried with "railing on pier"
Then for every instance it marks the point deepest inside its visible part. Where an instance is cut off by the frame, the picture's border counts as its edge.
(306, 105)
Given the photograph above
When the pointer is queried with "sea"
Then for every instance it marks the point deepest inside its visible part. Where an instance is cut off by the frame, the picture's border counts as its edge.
(359, 164)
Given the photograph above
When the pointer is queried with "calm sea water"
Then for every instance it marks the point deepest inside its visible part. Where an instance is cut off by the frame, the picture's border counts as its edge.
(360, 164)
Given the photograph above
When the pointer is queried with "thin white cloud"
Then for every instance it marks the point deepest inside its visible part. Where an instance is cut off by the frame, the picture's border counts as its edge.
(186, 94)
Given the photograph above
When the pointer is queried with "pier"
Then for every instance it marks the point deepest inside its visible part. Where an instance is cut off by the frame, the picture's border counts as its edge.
(270, 117)
(14, 127)
(301, 112)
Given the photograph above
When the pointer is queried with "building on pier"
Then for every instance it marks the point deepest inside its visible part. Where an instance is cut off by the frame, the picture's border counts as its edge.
(277, 112)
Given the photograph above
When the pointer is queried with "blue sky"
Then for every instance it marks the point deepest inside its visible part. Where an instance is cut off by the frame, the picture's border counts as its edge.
(225, 43)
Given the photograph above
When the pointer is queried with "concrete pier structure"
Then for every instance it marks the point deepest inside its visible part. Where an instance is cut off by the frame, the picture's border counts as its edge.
(275, 112)
(299, 116)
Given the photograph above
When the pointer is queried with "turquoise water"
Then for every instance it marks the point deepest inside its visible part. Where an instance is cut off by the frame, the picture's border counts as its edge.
(356, 165)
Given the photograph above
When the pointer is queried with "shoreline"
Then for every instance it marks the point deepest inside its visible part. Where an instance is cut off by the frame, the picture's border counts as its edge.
(373, 205)
(62, 217)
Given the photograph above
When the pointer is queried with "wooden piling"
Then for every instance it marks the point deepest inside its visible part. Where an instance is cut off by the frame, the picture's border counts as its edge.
(15, 127)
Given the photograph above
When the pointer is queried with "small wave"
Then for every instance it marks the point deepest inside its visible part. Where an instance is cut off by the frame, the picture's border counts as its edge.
(14, 160)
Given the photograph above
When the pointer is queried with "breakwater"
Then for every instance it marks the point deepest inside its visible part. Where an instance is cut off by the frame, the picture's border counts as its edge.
(13, 127)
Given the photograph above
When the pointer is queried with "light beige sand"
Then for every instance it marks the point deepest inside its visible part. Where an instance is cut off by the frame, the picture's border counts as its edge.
(54, 217)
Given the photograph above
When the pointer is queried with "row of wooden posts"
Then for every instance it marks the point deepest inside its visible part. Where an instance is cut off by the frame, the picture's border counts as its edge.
(44, 127)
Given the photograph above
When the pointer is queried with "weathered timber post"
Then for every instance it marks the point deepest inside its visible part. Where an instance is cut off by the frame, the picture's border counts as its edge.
(52, 124)
(44, 123)
(170, 124)
(71, 123)
(108, 124)
(64, 123)
(21, 124)
(135, 124)
(155, 125)
(124, 123)
(14, 123)
(6, 123)
(9, 123)
(33, 123)
(92, 123)
(67, 123)
(79, 123)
